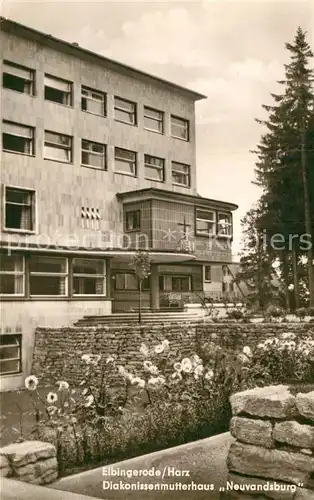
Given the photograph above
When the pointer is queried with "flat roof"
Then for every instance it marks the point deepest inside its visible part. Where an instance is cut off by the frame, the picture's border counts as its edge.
(173, 195)
(74, 49)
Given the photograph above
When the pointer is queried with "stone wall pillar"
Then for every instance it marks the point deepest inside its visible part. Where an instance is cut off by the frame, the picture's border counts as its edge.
(154, 280)
(273, 455)
(30, 461)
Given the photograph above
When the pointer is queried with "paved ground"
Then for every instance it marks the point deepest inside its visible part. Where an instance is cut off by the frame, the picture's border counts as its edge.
(204, 460)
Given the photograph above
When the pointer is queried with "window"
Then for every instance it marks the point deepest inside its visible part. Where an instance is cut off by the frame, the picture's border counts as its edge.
(19, 209)
(153, 120)
(154, 168)
(10, 354)
(18, 78)
(18, 138)
(12, 270)
(181, 174)
(48, 275)
(205, 222)
(124, 111)
(58, 90)
(179, 128)
(58, 147)
(93, 101)
(207, 272)
(125, 161)
(89, 277)
(133, 220)
(224, 224)
(93, 154)
(169, 283)
(126, 281)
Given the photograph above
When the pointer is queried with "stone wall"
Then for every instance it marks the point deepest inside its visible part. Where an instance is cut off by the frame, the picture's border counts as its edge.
(273, 455)
(30, 461)
(58, 350)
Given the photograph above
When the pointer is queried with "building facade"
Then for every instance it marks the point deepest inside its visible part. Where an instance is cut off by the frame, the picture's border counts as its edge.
(98, 160)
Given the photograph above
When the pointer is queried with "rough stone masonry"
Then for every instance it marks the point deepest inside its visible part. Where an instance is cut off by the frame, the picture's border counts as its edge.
(30, 461)
(273, 455)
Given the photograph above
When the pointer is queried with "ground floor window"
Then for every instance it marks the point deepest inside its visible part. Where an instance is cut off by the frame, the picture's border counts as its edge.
(39, 275)
(168, 283)
(89, 277)
(10, 354)
(129, 281)
(12, 274)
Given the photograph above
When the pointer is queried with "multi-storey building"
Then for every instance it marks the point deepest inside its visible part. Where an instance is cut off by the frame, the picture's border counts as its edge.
(98, 159)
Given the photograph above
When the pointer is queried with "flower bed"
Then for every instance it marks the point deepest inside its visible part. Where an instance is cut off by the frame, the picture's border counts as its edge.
(171, 399)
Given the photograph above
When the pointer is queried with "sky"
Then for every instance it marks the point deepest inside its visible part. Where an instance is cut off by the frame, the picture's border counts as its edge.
(233, 52)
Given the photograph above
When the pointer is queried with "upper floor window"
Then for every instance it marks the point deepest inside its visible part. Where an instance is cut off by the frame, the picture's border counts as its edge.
(153, 120)
(124, 111)
(93, 101)
(154, 168)
(181, 174)
(133, 220)
(224, 224)
(125, 161)
(19, 78)
(12, 274)
(93, 154)
(57, 147)
(89, 277)
(58, 90)
(205, 222)
(10, 354)
(48, 275)
(17, 138)
(19, 209)
(207, 273)
(179, 128)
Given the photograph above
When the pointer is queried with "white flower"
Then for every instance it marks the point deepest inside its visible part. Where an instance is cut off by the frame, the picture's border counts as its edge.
(63, 385)
(247, 351)
(122, 371)
(176, 376)
(89, 401)
(144, 350)
(186, 365)
(196, 360)
(159, 349)
(153, 370)
(87, 358)
(209, 375)
(31, 383)
(66, 404)
(110, 359)
(137, 381)
(95, 359)
(73, 420)
(156, 380)
(85, 391)
(166, 343)
(288, 336)
(177, 367)
(198, 370)
(147, 365)
(52, 397)
(52, 409)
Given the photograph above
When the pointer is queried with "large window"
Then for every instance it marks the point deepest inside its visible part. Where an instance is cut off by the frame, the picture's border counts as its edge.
(17, 138)
(58, 147)
(153, 120)
(19, 209)
(93, 101)
(181, 175)
(48, 275)
(205, 222)
(169, 283)
(93, 154)
(125, 161)
(179, 128)
(124, 111)
(18, 78)
(224, 224)
(89, 277)
(58, 90)
(207, 274)
(154, 168)
(126, 281)
(12, 277)
(10, 354)
(133, 220)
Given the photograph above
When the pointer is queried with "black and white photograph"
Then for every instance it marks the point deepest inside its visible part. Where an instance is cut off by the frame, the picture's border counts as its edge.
(157, 250)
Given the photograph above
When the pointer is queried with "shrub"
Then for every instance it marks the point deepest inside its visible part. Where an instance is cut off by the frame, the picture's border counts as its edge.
(274, 312)
(305, 311)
